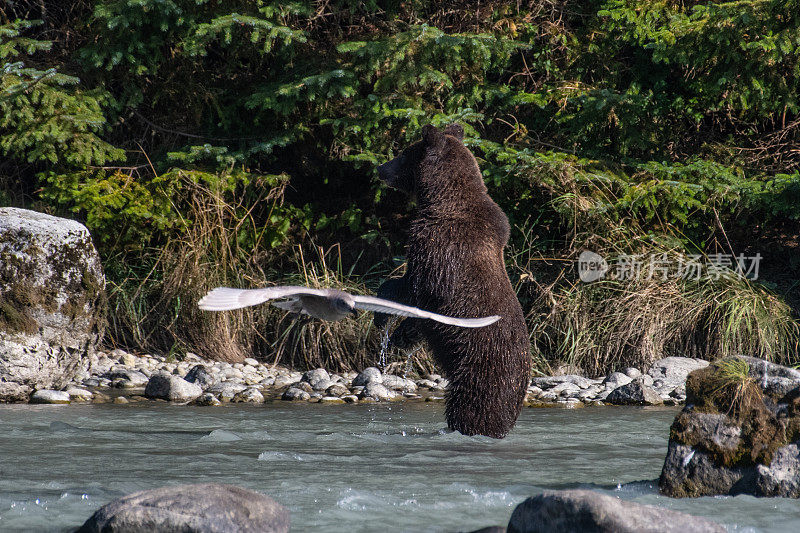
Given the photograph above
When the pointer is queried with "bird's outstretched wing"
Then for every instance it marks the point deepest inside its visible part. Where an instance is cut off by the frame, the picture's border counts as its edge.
(371, 303)
(293, 305)
(225, 298)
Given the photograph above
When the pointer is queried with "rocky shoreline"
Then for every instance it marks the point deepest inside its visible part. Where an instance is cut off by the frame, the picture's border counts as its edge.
(121, 377)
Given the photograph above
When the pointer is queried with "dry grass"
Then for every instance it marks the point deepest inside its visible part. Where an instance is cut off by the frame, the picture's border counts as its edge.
(157, 311)
(610, 324)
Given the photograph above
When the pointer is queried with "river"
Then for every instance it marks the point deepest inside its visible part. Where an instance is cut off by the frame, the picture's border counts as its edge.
(378, 467)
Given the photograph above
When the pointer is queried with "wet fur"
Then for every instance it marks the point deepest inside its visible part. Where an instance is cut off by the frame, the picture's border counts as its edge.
(456, 268)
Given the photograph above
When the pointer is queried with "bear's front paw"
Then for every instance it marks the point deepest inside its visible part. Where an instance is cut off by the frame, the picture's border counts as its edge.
(406, 336)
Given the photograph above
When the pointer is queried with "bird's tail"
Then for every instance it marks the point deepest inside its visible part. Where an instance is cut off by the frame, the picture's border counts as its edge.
(225, 298)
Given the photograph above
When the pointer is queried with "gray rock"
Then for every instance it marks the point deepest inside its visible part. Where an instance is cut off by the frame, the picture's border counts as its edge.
(284, 380)
(337, 389)
(634, 393)
(127, 359)
(207, 507)
(548, 382)
(692, 472)
(50, 396)
(565, 389)
(399, 383)
(13, 392)
(51, 298)
(672, 371)
(318, 374)
(200, 375)
(377, 391)
(172, 388)
(303, 385)
(330, 400)
(226, 390)
(250, 395)
(207, 399)
(632, 372)
(294, 394)
(782, 476)
(586, 510)
(134, 378)
(79, 395)
(252, 362)
(679, 392)
(616, 379)
(322, 384)
(760, 368)
(368, 375)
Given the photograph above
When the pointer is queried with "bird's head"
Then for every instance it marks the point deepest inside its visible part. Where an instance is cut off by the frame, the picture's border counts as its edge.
(344, 303)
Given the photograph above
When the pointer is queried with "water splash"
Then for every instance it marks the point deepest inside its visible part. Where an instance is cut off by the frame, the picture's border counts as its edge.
(385, 342)
(409, 356)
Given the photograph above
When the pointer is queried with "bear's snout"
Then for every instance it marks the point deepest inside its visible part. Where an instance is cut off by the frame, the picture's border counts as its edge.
(384, 173)
(389, 172)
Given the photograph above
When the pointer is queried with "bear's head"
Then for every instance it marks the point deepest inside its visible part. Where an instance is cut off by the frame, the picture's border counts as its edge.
(436, 164)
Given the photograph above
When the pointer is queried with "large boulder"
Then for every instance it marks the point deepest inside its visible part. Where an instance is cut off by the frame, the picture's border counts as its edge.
(51, 300)
(564, 511)
(634, 393)
(206, 508)
(670, 373)
(738, 434)
(165, 386)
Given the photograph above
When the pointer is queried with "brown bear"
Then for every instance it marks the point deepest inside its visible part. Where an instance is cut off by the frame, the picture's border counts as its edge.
(456, 268)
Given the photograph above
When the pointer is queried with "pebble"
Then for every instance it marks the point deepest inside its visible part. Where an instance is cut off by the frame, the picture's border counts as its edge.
(172, 388)
(207, 399)
(200, 375)
(377, 391)
(79, 395)
(632, 372)
(283, 381)
(49, 396)
(330, 399)
(368, 375)
(252, 381)
(323, 384)
(337, 389)
(294, 394)
(399, 383)
(226, 390)
(251, 395)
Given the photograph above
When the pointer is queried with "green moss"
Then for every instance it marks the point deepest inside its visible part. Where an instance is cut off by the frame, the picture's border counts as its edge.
(16, 319)
(23, 294)
(726, 388)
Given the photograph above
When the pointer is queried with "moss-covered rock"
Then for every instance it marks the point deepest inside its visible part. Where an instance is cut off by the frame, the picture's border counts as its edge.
(737, 433)
(52, 299)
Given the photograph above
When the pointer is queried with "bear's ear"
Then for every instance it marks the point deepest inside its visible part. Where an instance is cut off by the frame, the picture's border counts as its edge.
(432, 137)
(455, 130)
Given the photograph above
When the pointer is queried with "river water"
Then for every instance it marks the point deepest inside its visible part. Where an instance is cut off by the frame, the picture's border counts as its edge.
(381, 467)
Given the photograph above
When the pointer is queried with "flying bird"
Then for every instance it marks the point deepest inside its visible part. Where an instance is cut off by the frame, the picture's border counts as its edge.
(326, 304)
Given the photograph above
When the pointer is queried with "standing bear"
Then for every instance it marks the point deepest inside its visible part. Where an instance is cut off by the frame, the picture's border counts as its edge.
(456, 268)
